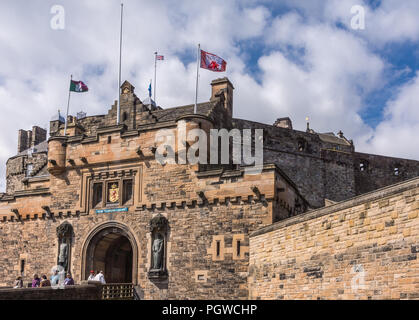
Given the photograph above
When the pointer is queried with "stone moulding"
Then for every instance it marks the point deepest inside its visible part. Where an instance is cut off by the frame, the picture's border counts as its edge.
(26, 193)
(41, 215)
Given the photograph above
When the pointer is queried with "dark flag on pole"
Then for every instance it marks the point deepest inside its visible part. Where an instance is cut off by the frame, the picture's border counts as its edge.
(78, 86)
(208, 61)
(212, 62)
(75, 86)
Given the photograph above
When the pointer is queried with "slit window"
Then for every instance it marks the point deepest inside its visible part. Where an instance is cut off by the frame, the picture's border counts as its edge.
(238, 248)
(22, 266)
(97, 194)
(218, 248)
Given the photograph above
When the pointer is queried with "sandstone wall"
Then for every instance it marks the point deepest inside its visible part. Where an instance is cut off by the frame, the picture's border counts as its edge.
(363, 248)
(191, 248)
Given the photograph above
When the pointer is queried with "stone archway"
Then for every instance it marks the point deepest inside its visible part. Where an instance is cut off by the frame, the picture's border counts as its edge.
(112, 248)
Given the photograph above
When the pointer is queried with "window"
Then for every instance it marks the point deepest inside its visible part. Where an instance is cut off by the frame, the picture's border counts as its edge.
(218, 248)
(29, 170)
(97, 194)
(363, 165)
(127, 191)
(302, 145)
(238, 248)
(22, 267)
(396, 171)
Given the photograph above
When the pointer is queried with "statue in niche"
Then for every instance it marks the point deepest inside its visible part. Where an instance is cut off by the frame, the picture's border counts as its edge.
(158, 228)
(63, 255)
(158, 252)
(64, 234)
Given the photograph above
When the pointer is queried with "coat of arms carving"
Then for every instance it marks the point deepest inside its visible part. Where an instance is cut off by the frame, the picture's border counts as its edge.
(114, 193)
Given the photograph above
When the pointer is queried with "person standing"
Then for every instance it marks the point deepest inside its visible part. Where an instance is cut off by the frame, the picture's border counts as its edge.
(92, 276)
(45, 282)
(18, 283)
(100, 277)
(55, 278)
(69, 280)
(36, 281)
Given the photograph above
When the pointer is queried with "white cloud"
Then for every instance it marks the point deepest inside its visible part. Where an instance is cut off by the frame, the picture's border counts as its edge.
(397, 134)
(391, 21)
(306, 66)
(327, 80)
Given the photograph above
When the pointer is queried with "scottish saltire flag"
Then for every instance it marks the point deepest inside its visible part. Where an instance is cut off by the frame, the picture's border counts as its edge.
(159, 57)
(212, 62)
(149, 90)
(78, 86)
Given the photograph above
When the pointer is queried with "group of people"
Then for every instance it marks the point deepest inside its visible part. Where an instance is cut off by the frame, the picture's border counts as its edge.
(98, 276)
(44, 281)
(55, 280)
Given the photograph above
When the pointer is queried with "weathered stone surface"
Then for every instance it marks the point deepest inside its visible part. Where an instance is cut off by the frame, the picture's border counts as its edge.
(365, 263)
(210, 209)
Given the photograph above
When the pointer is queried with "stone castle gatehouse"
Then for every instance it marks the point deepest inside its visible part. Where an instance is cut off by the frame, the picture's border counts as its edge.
(97, 199)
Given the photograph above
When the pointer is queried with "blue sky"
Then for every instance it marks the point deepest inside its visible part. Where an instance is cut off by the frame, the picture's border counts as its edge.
(293, 58)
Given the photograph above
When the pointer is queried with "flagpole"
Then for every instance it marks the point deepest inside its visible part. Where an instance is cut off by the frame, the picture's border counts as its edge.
(197, 76)
(155, 75)
(68, 106)
(120, 62)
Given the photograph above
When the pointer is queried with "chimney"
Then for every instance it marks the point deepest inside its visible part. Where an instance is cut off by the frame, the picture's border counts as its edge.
(22, 140)
(38, 135)
(283, 123)
(223, 84)
(30, 138)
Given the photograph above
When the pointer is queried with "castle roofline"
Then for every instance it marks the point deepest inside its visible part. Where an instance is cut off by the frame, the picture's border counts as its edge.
(39, 148)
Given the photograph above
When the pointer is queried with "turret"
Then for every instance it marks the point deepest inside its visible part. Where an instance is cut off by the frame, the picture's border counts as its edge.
(57, 146)
(185, 137)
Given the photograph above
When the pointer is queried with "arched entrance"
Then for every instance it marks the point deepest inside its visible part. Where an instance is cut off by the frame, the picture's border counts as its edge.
(112, 249)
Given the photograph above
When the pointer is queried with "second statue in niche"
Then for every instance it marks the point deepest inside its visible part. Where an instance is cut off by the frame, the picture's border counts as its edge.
(158, 252)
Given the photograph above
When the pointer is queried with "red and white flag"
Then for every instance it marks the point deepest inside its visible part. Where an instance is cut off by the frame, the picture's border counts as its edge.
(159, 57)
(212, 62)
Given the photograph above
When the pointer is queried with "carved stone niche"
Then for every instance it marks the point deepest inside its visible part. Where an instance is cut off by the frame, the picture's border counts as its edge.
(65, 236)
(159, 229)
